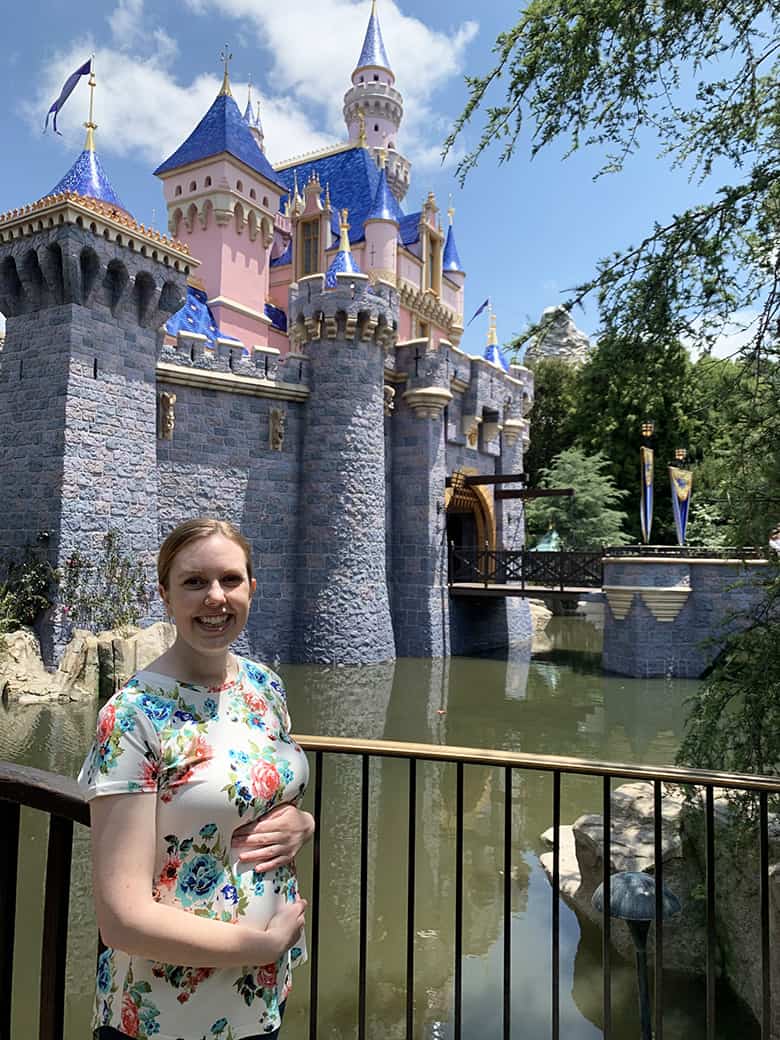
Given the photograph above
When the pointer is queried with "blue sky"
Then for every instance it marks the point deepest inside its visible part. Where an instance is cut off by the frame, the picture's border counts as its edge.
(526, 231)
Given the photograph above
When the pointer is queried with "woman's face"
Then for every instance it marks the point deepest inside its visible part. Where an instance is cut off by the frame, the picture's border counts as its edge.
(209, 593)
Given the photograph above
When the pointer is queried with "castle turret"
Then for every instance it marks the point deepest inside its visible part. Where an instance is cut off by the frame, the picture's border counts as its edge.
(493, 352)
(373, 108)
(343, 613)
(223, 202)
(381, 231)
(85, 290)
(253, 120)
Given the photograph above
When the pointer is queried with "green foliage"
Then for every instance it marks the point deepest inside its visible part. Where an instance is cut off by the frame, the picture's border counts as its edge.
(104, 592)
(734, 720)
(29, 587)
(587, 519)
(553, 416)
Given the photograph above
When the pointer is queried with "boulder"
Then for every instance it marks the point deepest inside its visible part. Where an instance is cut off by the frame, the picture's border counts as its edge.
(23, 675)
(540, 617)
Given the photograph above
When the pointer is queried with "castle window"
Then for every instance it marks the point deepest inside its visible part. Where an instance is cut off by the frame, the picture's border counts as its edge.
(376, 77)
(207, 182)
(362, 79)
(193, 185)
(239, 185)
(376, 128)
(95, 368)
(252, 193)
(311, 246)
(265, 201)
(178, 189)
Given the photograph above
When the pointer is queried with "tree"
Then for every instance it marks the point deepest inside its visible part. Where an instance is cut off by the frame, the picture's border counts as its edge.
(587, 519)
(556, 393)
(703, 76)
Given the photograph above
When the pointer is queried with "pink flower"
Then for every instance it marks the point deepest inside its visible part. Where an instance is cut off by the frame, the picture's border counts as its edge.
(255, 702)
(129, 1016)
(264, 780)
(150, 775)
(170, 872)
(266, 976)
(106, 722)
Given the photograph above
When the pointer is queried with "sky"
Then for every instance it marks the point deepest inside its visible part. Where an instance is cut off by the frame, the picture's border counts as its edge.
(527, 231)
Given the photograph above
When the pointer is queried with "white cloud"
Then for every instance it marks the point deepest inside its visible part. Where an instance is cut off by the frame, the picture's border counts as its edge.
(142, 109)
(316, 66)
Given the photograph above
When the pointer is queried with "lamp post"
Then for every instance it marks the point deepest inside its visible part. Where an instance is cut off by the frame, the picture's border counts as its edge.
(680, 456)
(632, 897)
(648, 429)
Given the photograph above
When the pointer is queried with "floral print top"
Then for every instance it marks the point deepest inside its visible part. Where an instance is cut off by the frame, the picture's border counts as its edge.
(216, 758)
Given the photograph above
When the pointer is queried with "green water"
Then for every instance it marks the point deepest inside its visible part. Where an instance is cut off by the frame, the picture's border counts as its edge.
(556, 703)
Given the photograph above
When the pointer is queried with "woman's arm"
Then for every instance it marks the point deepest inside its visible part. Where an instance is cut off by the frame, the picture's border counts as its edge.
(123, 852)
(275, 839)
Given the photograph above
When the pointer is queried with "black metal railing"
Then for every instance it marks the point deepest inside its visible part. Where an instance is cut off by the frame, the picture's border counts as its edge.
(550, 570)
(60, 798)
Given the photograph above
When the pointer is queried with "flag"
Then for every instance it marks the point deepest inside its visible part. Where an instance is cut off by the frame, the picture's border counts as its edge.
(682, 482)
(478, 311)
(646, 497)
(67, 90)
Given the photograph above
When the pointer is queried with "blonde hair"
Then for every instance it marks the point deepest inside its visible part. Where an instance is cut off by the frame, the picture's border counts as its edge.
(191, 531)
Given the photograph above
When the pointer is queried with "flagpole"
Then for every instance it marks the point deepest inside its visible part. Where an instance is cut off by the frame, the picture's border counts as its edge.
(91, 125)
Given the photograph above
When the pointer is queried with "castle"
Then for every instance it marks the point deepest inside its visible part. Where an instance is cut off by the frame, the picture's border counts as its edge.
(288, 359)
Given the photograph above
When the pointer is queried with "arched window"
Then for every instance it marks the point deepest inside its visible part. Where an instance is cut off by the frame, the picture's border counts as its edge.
(178, 189)
(376, 128)
(239, 185)
(252, 193)
(376, 77)
(193, 185)
(207, 182)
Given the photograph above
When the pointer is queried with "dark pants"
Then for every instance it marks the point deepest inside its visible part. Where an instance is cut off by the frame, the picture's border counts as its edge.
(109, 1033)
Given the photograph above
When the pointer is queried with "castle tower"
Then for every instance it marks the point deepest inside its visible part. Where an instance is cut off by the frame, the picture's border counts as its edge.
(343, 613)
(373, 108)
(253, 120)
(223, 198)
(381, 231)
(451, 265)
(85, 290)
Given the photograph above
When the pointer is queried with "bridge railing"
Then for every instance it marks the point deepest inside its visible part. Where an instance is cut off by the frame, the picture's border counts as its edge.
(552, 570)
(59, 797)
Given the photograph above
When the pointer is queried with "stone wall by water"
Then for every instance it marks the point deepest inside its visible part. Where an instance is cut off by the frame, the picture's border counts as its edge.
(668, 615)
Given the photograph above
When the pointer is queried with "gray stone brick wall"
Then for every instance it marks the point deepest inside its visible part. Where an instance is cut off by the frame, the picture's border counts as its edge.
(220, 463)
(641, 645)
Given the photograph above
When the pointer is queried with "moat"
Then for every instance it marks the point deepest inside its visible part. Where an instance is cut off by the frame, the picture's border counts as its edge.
(558, 702)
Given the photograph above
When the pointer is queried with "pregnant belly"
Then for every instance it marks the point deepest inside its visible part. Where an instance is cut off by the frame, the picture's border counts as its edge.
(261, 895)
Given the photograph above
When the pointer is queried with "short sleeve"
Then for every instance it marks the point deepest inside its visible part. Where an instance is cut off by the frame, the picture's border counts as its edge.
(125, 756)
(271, 687)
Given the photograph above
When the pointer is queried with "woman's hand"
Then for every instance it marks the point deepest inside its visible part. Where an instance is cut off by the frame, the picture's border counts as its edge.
(286, 926)
(275, 839)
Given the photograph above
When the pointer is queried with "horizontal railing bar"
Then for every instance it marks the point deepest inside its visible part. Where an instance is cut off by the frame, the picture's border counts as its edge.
(49, 792)
(549, 763)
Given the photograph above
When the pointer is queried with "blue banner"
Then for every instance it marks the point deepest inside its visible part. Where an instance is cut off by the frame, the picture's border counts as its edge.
(682, 482)
(646, 497)
(65, 93)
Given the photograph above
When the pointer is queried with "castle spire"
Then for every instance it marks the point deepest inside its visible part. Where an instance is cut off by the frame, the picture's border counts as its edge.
(373, 54)
(343, 262)
(493, 352)
(227, 57)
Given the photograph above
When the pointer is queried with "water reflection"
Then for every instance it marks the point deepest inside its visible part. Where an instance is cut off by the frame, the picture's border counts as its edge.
(559, 703)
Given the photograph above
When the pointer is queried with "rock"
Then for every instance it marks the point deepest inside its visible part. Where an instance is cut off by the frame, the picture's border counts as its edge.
(91, 665)
(558, 338)
(568, 867)
(23, 676)
(102, 663)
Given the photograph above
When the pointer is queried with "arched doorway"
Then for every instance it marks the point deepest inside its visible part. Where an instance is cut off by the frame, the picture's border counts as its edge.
(471, 523)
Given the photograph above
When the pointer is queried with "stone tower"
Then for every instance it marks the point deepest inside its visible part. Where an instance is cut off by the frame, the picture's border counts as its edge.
(343, 613)
(85, 290)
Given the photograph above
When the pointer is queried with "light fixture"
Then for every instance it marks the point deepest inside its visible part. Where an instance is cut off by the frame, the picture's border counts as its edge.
(680, 455)
(648, 428)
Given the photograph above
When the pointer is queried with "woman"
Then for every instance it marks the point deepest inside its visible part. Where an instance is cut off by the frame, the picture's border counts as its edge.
(196, 900)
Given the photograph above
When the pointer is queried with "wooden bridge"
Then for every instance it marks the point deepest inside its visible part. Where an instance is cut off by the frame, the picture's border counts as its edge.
(521, 572)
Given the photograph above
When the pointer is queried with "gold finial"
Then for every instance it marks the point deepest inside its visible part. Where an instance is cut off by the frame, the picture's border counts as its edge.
(382, 158)
(227, 57)
(451, 211)
(344, 244)
(492, 334)
(91, 125)
(362, 141)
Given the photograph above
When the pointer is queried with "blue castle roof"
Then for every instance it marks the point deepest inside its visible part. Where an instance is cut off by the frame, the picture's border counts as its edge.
(373, 52)
(87, 177)
(196, 316)
(222, 129)
(385, 205)
(409, 230)
(451, 260)
(343, 263)
(353, 178)
(495, 356)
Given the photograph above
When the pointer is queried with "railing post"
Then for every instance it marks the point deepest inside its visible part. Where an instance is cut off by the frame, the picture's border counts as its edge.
(9, 861)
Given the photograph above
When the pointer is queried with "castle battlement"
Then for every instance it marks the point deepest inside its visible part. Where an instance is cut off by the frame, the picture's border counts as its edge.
(355, 310)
